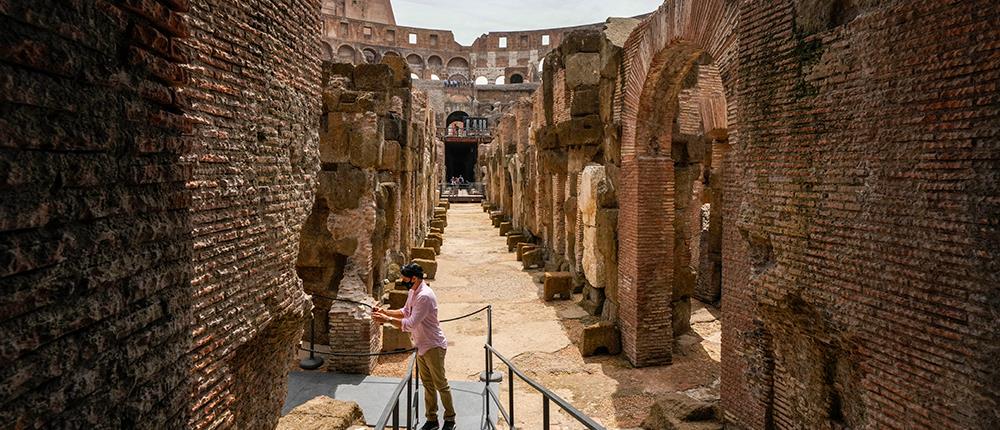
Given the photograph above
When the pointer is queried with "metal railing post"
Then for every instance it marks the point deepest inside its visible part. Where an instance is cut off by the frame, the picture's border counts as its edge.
(545, 412)
(489, 341)
(395, 415)
(487, 396)
(416, 400)
(409, 402)
(510, 396)
(313, 362)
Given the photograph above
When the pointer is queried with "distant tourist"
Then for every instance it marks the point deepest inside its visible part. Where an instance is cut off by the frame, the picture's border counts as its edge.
(419, 317)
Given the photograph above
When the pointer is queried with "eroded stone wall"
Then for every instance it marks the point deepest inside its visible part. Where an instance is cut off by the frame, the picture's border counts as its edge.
(375, 197)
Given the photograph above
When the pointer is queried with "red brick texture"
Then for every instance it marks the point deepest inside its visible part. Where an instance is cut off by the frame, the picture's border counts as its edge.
(156, 166)
(95, 246)
(254, 99)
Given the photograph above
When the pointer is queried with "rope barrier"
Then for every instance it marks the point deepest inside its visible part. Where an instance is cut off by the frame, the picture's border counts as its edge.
(350, 354)
(375, 354)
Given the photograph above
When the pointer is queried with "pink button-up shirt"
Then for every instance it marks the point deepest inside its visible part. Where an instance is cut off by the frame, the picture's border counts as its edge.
(420, 319)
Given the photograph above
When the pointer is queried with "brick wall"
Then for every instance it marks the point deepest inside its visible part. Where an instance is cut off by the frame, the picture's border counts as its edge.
(254, 100)
(872, 233)
(95, 250)
(157, 160)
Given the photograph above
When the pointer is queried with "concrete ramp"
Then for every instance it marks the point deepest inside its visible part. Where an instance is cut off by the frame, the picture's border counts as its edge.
(373, 392)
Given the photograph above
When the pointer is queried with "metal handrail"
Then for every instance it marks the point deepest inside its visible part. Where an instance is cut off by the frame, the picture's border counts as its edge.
(391, 410)
(546, 395)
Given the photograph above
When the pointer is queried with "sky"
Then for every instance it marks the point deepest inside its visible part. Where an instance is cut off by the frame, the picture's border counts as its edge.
(472, 18)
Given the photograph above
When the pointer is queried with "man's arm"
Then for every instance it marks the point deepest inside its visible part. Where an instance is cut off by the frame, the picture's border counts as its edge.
(397, 313)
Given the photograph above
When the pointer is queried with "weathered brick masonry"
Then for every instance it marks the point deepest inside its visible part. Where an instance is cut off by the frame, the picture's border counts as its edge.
(156, 168)
(847, 152)
(254, 100)
(861, 281)
(379, 156)
(95, 245)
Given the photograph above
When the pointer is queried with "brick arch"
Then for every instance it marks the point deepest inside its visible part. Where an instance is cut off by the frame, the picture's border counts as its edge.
(347, 54)
(326, 50)
(415, 60)
(660, 53)
(435, 61)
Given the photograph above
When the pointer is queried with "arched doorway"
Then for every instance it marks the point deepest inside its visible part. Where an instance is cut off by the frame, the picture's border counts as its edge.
(460, 154)
(326, 51)
(346, 54)
(516, 79)
(371, 57)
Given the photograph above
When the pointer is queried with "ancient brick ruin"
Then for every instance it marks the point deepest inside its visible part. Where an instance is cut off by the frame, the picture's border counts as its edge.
(774, 156)
(178, 176)
(378, 176)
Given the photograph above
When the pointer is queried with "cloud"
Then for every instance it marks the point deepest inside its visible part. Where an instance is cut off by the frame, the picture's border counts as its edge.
(468, 20)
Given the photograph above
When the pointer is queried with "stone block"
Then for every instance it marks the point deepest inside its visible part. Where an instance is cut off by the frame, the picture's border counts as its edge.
(533, 258)
(583, 69)
(365, 146)
(433, 242)
(390, 157)
(603, 335)
(444, 204)
(342, 189)
(681, 411)
(438, 236)
(523, 247)
(441, 218)
(581, 131)
(396, 298)
(582, 41)
(394, 127)
(394, 339)
(586, 101)
(422, 253)
(506, 227)
(437, 230)
(372, 77)
(557, 283)
(439, 224)
(430, 267)
(324, 413)
(512, 240)
(440, 211)
(593, 300)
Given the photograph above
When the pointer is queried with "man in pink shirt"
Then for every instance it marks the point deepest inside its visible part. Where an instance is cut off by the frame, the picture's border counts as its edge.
(419, 317)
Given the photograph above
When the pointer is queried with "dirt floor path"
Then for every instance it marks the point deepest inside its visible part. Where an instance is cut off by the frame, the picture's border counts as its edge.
(475, 269)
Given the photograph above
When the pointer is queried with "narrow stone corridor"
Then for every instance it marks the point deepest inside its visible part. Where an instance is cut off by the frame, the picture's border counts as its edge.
(475, 269)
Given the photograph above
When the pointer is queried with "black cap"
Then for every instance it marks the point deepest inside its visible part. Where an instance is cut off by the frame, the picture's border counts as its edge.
(412, 269)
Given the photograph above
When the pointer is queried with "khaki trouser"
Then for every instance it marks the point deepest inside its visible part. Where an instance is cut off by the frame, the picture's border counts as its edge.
(431, 368)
